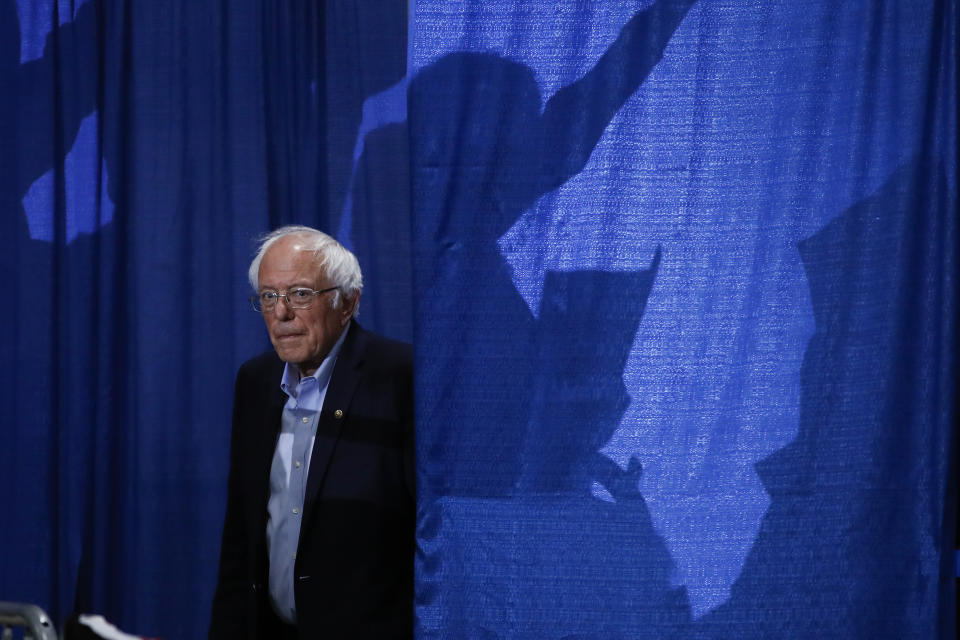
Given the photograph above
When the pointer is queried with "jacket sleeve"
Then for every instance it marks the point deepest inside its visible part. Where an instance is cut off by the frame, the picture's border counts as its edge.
(409, 429)
(228, 619)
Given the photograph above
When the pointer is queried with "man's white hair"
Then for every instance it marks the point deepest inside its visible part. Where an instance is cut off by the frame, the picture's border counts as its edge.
(337, 261)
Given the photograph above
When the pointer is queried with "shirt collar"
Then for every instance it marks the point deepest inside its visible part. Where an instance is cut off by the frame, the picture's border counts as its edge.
(291, 378)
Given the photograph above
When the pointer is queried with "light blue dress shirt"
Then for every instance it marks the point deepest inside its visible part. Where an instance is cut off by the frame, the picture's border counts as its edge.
(288, 475)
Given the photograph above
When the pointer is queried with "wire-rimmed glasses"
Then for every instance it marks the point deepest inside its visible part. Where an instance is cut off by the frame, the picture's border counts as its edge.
(298, 298)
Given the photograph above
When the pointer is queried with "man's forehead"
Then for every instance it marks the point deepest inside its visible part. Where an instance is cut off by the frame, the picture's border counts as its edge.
(291, 258)
(290, 244)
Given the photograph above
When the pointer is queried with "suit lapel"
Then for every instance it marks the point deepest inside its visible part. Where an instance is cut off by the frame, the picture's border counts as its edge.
(334, 413)
(268, 433)
(261, 458)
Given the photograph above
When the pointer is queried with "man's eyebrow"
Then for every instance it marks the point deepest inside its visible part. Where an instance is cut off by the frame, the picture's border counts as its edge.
(294, 285)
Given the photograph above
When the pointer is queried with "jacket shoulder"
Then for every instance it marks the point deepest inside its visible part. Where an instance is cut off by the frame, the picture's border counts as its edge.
(386, 352)
(267, 364)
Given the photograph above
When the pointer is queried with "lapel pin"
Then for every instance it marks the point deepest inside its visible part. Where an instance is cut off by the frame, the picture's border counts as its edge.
(338, 414)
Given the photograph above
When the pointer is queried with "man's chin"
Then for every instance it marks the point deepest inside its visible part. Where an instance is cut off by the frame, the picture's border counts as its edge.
(288, 353)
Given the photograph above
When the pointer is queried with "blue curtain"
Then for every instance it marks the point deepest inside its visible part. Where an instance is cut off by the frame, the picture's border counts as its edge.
(685, 276)
(681, 276)
(143, 145)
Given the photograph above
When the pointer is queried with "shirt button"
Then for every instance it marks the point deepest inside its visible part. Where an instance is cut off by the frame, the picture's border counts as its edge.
(297, 464)
(305, 419)
(295, 511)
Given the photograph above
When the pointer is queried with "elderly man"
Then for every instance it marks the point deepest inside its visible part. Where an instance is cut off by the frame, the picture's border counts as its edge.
(318, 539)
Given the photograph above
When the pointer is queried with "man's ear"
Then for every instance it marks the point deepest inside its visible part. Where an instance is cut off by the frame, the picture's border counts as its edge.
(347, 309)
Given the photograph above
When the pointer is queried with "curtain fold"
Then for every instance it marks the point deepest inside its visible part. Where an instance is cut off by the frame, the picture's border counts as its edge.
(143, 147)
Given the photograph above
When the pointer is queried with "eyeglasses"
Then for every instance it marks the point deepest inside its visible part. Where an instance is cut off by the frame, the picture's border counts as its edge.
(299, 298)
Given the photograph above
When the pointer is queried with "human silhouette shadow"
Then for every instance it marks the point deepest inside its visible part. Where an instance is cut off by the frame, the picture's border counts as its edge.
(482, 154)
(587, 323)
(514, 403)
(846, 549)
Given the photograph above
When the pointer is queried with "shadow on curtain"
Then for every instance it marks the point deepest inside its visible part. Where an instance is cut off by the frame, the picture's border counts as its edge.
(685, 319)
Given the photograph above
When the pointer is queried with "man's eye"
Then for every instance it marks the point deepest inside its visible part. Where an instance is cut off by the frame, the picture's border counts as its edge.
(301, 294)
(268, 296)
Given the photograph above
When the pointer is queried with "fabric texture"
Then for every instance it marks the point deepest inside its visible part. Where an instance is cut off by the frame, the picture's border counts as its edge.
(686, 288)
(143, 147)
(682, 278)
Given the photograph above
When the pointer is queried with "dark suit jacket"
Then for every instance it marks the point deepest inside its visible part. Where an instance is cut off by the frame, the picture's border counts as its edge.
(354, 568)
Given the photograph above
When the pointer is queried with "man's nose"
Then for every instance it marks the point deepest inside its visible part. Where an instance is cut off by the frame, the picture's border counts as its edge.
(283, 310)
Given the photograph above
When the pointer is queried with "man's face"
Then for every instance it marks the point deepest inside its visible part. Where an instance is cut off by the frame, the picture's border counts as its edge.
(302, 337)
